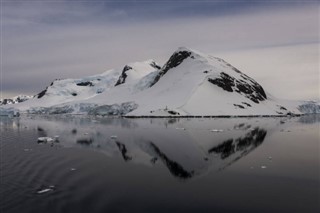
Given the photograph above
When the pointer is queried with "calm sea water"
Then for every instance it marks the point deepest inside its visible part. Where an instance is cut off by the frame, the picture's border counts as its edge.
(160, 165)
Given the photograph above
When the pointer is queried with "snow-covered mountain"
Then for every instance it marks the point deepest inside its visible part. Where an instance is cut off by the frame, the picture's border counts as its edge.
(15, 100)
(189, 84)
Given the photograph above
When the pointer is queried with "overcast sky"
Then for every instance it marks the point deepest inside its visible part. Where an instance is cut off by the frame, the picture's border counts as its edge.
(274, 41)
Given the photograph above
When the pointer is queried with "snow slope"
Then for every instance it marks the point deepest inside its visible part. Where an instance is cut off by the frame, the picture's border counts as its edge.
(189, 84)
(67, 91)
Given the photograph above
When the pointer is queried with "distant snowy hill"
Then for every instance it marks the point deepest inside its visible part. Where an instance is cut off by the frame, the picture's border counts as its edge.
(189, 84)
(15, 100)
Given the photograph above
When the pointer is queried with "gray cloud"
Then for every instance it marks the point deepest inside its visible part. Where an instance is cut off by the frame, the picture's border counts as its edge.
(42, 42)
(289, 72)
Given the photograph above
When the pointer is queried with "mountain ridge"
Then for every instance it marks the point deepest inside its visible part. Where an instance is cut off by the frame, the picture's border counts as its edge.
(190, 83)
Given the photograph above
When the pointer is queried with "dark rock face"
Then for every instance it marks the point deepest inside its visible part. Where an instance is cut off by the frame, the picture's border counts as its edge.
(173, 112)
(6, 101)
(42, 93)
(239, 106)
(226, 82)
(154, 65)
(19, 100)
(86, 83)
(123, 76)
(248, 87)
(283, 108)
(245, 103)
(176, 59)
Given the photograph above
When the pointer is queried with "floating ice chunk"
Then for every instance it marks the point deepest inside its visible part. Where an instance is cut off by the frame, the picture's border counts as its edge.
(263, 167)
(44, 139)
(113, 137)
(45, 190)
(216, 130)
(270, 158)
(181, 128)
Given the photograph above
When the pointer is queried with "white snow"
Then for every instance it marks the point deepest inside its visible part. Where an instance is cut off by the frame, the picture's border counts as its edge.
(41, 191)
(45, 139)
(216, 130)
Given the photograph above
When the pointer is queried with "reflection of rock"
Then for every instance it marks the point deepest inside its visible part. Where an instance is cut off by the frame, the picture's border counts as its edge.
(85, 141)
(186, 154)
(242, 126)
(41, 132)
(253, 138)
(123, 151)
(225, 149)
(175, 169)
(173, 120)
(244, 144)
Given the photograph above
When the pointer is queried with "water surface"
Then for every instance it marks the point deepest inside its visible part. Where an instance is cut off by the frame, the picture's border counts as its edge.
(160, 165)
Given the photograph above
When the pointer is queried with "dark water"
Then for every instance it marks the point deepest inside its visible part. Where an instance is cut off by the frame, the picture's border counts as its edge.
(160, 165)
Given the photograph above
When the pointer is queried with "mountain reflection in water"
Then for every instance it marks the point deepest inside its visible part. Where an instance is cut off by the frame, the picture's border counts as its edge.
(95, 164)
(180, 144)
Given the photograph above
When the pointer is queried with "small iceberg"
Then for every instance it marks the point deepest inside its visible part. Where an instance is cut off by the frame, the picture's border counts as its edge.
(45, 139)
(216, 130)
(45, 190)
(114, 137)
(181, 128)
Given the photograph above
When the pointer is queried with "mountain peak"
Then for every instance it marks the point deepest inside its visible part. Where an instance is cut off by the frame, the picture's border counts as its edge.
(175, 60)
(180, 49)
(137, 70)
